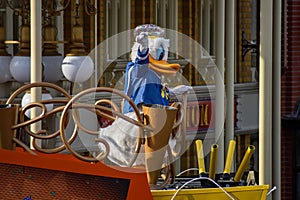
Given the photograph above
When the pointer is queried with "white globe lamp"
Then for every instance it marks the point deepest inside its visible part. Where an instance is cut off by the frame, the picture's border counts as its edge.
(20, 68)
(77, 68)
(77, 65)
(27, 99)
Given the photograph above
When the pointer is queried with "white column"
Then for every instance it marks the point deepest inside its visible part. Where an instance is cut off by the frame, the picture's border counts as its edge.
(36, 56)
(219, 112)
(230, 66)
(265, 92)
(276, 101)
(206, 26)
(173, 26)
(115, 27)
(172, 6)
(163, 11)
(124, 25)
(213, 27)
(96, 44)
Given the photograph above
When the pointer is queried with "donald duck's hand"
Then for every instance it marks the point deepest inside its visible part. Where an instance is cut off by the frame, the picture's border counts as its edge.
(142, 39)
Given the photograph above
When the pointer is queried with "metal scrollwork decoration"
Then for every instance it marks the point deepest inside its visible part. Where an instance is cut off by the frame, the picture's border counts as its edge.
(21, 8)
(23, 5)
(89, 8)
(102, 111)
(23, 123)
(247, 46)
(69, 108)
(50, 7)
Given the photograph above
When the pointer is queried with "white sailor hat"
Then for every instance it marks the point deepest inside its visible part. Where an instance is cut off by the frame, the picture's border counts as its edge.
(151, 29)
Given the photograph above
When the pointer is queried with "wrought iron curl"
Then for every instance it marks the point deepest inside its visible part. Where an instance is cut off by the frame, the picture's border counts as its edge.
(74, 104)
(89, 8)
(44, 114)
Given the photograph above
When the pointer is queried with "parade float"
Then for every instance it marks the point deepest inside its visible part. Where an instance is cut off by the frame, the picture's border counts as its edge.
(38, 173)
(142, 170)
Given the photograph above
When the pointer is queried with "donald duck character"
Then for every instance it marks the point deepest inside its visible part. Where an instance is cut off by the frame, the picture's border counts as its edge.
(148, 63)
(144, 86)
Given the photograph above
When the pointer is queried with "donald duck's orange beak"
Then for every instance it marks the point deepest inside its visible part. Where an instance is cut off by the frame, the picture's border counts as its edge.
(162, 67)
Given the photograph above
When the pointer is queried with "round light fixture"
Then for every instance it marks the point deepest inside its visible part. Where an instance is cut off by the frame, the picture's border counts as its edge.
(27, 99)
(77, 68)
(20, 68)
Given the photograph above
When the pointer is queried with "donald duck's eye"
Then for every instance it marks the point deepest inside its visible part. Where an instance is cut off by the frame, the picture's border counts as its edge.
(160, 53)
